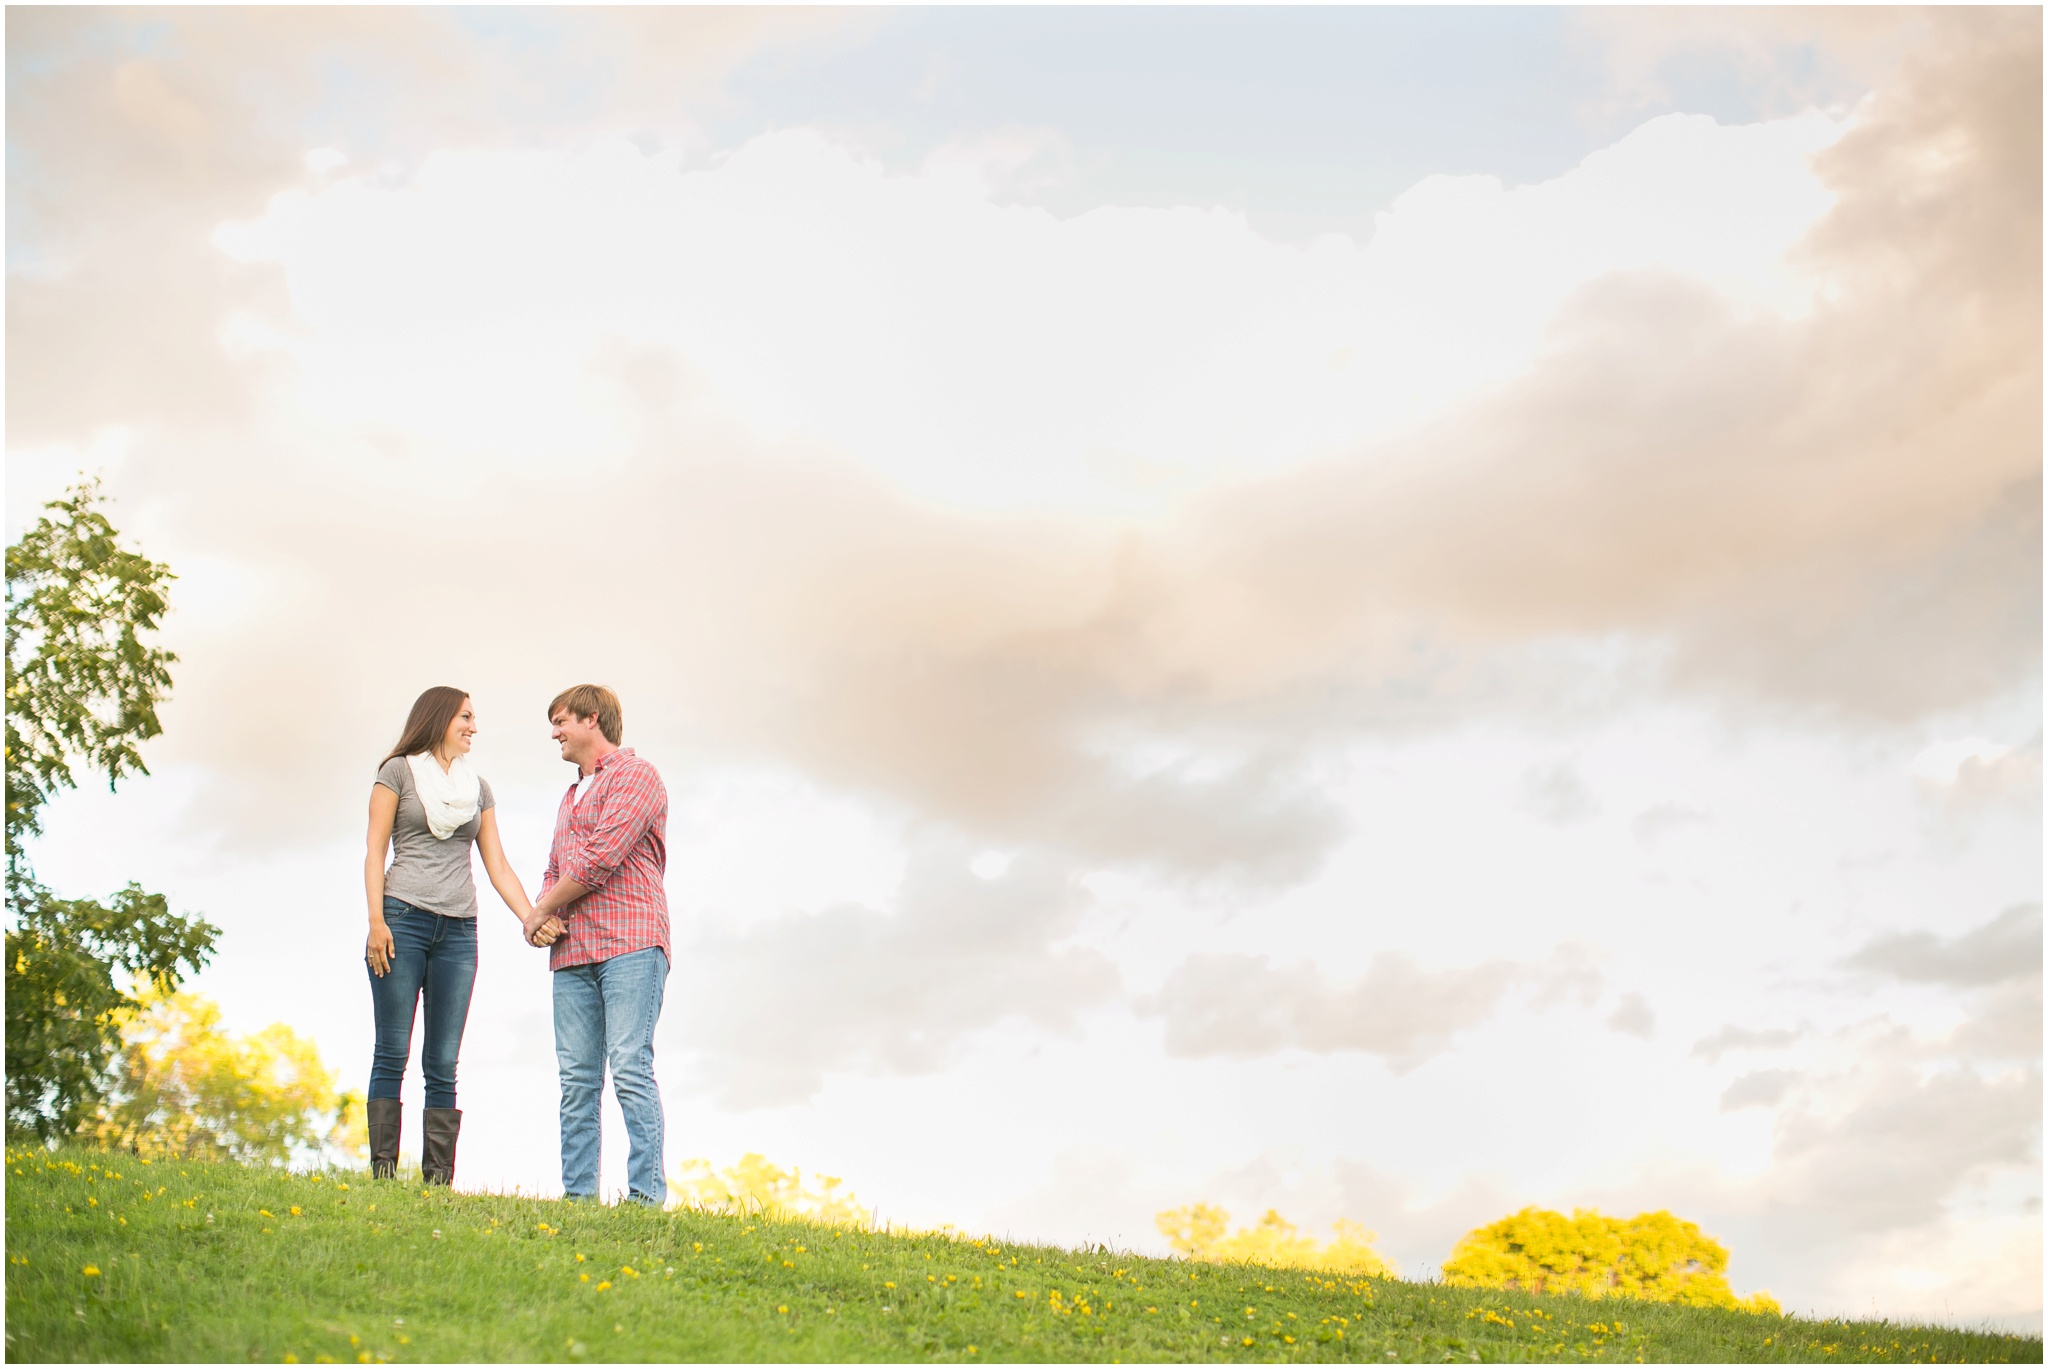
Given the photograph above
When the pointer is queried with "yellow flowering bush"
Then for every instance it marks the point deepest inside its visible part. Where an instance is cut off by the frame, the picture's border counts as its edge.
(755, 1187)
(1653, 1255)
(185, 1088)
(1202, 1232)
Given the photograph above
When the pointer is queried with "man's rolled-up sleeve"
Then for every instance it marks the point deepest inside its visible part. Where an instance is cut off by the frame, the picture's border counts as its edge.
(630, 807)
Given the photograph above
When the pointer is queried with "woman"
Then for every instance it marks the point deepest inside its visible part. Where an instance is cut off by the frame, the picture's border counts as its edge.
(427, 807)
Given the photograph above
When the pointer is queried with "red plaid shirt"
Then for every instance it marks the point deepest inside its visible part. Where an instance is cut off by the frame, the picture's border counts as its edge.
(615, 844)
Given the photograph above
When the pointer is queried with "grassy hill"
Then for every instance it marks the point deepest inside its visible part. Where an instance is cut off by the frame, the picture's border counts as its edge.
(110, 1258)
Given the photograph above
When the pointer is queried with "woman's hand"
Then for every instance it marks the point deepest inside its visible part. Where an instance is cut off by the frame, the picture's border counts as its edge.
(542, 929)
(379, 948)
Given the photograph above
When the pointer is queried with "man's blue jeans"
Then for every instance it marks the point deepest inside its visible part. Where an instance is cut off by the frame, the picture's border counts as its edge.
(605, 1013)
(433, 958)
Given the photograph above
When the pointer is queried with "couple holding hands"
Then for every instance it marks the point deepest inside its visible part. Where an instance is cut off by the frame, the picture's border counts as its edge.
(602, 914)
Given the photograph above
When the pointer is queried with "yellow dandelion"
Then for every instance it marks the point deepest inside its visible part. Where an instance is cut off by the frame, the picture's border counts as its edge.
(973, 1350)
(584, 1277)
(629, 1271)
(290, 1358)
(264, 1212)
(91, 1271)
(603, 1284)
(296, 1213)
(888, 1285)
(92, 1202)
(1021, 1293)
(579, 1259)
(783, 1309)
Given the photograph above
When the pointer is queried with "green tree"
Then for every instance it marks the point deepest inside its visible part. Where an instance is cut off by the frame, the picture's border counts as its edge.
(83, 685)
(184, 1088)
(1653, 1255)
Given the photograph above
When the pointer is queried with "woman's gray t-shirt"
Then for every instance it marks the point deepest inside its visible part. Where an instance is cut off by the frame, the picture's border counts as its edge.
(425, 871)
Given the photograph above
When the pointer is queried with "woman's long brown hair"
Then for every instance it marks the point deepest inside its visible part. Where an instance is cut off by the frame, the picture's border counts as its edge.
(428, 721)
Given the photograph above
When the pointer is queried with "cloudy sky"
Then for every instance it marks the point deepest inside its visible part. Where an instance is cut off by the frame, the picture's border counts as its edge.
(1386, 613)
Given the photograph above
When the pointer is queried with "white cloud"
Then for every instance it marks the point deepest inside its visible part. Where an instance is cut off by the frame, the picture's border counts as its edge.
(1238, 1005)
(1657, 820)
(1634, 1017)
(2006, 948)
(1758, 1088)
(773, 1008)
(1557, 794)
(985, 356)
(1942, 762)
(991, 864)
(1731, 1038)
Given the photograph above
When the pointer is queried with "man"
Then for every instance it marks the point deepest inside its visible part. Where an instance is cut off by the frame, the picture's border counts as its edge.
(603, 883)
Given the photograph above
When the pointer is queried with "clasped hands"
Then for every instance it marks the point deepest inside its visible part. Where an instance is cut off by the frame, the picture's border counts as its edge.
(542, 929)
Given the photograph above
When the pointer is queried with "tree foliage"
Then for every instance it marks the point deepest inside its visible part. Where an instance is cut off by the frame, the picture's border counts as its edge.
(755, 1187)
(184, 1088)
(1652, 1255)
(83, 686)
(1202, 1232)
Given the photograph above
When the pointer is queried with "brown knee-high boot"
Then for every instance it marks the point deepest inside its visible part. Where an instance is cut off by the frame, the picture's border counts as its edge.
(384, 1120)
(437, 1145)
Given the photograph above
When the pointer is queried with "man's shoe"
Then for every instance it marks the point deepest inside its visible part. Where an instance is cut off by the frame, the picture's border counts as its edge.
(384, 1125)
(437, 1146)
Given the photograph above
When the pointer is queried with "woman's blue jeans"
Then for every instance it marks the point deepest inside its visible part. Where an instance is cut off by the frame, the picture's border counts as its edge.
(432, 958)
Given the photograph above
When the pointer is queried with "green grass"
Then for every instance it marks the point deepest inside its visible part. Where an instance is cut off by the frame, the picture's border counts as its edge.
(113, 1259)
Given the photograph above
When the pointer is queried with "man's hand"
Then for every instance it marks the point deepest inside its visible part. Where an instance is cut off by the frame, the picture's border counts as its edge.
(543, 929)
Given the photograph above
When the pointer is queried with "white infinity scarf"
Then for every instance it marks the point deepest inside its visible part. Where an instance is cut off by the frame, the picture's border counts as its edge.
(449, 798)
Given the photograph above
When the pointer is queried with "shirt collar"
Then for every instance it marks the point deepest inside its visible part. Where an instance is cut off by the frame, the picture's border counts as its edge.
(598, 769)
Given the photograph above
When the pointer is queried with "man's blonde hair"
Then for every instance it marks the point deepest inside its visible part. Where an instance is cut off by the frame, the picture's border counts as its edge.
(592, 701)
